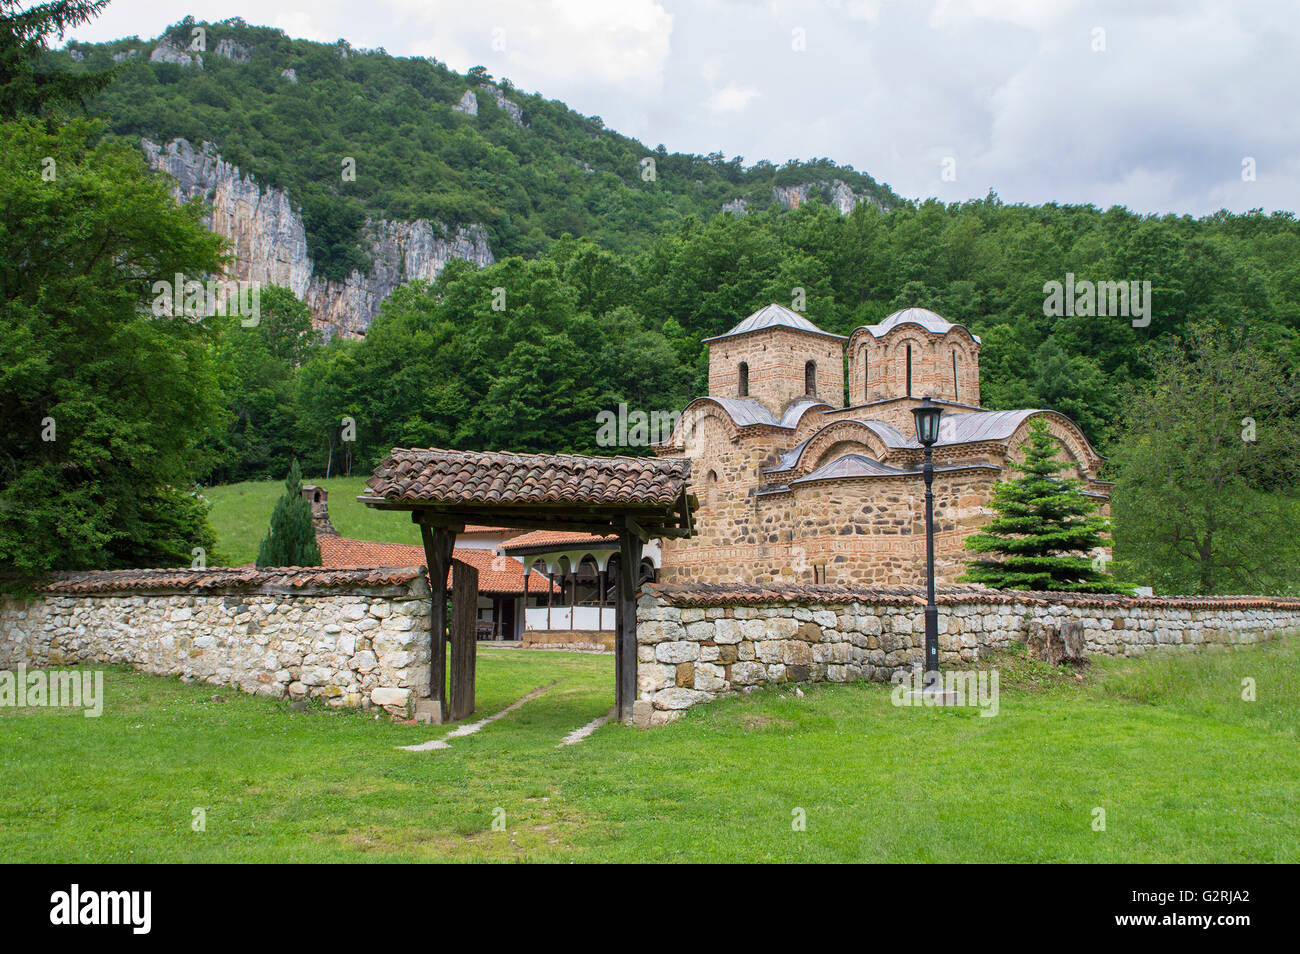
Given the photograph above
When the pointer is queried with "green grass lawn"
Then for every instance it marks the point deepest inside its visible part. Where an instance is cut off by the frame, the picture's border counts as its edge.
(241, 514)
(1184, 768)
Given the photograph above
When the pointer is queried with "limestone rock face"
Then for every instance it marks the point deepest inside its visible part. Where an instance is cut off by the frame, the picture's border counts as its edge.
(468, 104)
(290, 74)
(169, 52)
(269, 240)
(836, 192)
(508, 106)
(233, 51)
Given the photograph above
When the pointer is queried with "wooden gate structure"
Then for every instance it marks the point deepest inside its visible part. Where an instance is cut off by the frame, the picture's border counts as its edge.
(636, 498)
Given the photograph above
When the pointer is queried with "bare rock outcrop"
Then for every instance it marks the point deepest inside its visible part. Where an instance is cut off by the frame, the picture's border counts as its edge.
(507, 105)
(233, 51)
(168, 52)
(468, 104)
(269, 240)
(836, 192)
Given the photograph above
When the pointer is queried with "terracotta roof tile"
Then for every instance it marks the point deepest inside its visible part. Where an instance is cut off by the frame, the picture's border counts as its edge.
(447, 476)
(755, 594)
(501, 575)
(216, 578)
(559, 539)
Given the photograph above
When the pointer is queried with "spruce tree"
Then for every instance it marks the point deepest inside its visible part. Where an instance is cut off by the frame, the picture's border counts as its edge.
(1044, 528)
(291, 541)
(26, 89)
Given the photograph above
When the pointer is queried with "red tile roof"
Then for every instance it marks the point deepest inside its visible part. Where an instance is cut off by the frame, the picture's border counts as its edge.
(501, 575)
(457, 477)
(559, 539)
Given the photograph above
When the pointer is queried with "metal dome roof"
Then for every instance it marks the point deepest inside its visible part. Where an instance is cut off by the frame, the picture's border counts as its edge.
(927, 319)
(774, 316)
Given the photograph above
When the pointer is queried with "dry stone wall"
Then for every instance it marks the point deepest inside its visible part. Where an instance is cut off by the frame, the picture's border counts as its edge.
(698, 642)
(354, 639)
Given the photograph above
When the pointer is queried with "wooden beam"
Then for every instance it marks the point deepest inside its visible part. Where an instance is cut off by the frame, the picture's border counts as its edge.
(629, 568)
(438, 545)
(656, 520)
(464, 639)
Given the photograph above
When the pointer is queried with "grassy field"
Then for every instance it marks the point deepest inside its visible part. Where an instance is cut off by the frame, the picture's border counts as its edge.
(1183, 767)
(241, 514)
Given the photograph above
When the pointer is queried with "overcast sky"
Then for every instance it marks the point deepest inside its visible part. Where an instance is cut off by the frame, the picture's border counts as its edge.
(1152, 104)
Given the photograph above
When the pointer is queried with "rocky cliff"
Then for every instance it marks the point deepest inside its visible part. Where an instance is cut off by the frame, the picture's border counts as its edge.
(837, 194)
(269, 240)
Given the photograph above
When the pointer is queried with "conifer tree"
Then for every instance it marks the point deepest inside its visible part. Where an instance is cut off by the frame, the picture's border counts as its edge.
(25, 29)
(291, 541)
(1044, 528)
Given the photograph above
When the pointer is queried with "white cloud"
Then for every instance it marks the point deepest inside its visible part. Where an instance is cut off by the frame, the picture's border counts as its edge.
(731, 98)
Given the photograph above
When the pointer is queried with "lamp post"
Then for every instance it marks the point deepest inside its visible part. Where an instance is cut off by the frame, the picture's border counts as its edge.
(927, 432)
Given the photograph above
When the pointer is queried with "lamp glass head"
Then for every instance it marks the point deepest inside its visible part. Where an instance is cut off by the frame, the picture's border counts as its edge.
(927, 421)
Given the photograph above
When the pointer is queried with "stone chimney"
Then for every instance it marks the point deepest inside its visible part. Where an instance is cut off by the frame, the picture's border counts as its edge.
(318, 497)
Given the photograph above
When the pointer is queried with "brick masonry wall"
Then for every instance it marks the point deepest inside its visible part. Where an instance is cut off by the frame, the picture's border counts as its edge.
(777, 358)
(885, 372)
(697, 643)
(837, 531)
(351, 644)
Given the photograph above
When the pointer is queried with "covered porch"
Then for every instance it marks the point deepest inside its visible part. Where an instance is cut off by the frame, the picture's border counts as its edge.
(578, 572)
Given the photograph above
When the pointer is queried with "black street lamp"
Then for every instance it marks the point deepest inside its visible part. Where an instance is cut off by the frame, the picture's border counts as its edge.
(927, 432)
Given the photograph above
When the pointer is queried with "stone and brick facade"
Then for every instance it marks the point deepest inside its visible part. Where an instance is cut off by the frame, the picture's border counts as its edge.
(796, 485)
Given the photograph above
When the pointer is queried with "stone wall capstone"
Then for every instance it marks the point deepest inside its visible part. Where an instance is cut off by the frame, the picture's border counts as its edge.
(354, 638)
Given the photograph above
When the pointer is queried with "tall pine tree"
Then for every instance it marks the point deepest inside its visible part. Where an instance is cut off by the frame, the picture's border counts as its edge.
(291, 540)
(1044, 528)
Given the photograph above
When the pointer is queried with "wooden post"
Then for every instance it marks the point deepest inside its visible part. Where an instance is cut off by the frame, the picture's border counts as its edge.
(629, 567)
(573, 597)
(600, 597)
(464, 639)
(438, 544)
(550, 590)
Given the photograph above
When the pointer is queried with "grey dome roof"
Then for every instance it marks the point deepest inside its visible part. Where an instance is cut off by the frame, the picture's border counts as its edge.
(774, 316)
(927, 319)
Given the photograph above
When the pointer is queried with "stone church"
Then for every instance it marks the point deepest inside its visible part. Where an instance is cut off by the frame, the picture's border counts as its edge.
(796, 485)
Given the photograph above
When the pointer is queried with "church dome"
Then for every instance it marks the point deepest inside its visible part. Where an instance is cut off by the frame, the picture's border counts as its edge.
(773, 316)
(927, 319)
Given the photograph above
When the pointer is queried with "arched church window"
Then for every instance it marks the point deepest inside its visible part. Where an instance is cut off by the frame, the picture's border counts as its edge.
(810, 378)
(956, 395)
(866, 377)
(909, 370)
(742, 388)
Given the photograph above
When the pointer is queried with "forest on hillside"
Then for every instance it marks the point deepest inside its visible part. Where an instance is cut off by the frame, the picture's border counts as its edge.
(416, 157)
(581, 329)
